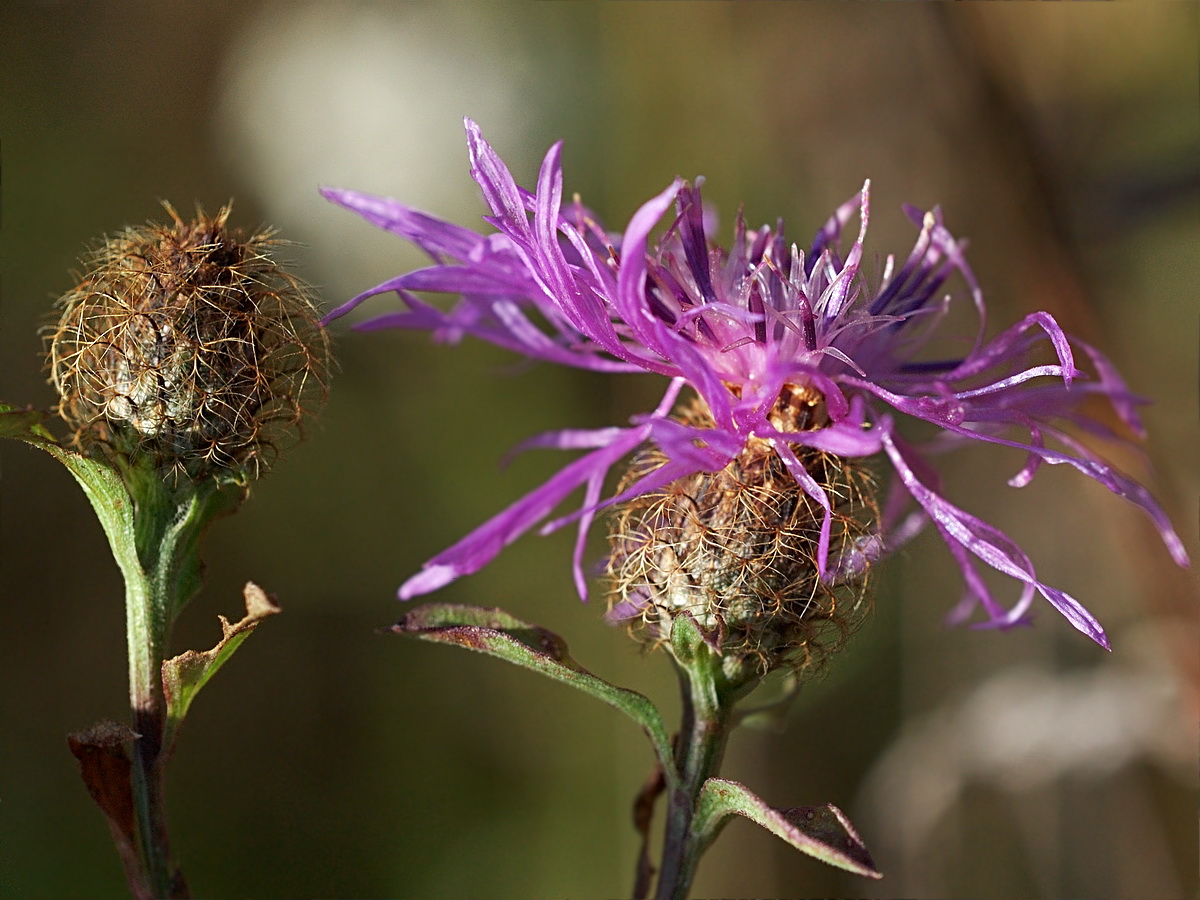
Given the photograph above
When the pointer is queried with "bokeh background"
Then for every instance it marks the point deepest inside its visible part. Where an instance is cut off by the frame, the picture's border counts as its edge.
(329, 759)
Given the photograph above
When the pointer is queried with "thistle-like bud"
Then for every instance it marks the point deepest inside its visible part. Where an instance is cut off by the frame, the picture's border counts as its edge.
(737, 549)
(191, 344)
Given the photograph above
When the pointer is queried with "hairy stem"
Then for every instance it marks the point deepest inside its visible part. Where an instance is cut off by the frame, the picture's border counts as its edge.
(699, 749)
(146, 627)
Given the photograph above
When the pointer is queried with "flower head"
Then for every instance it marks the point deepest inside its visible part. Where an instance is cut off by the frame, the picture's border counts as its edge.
(788, 348)
(188, 343)
(736, 550)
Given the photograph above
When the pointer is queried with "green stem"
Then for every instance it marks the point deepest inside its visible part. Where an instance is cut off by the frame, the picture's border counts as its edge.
(153, 526)
(699, 750)
(168, 524)
(145, 633)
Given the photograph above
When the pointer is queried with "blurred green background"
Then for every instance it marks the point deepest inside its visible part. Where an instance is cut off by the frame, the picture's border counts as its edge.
(329, 759)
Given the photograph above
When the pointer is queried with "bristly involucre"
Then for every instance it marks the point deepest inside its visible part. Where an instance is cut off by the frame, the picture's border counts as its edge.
(191, 344)
(737, 550)
(741, 326)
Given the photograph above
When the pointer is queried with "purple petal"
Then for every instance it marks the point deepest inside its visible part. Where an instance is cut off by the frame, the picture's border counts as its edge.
(479, 547)
(591, 496)
(814, 490)
(631, 282)
(435, 236)
(989, 544)
(1104, 473)
(569, 439)
(832, 229)
(1123, 400)
(1012, 342)
(500, 192)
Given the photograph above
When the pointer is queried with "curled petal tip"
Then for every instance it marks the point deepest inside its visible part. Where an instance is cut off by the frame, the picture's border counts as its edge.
(1175, 548)
(426, 581)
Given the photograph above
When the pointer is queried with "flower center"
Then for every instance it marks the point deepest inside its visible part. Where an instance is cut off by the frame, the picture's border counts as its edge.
(798, 408)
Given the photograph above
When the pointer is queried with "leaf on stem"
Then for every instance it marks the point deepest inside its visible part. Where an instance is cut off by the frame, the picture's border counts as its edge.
(107, 773)
(496, 633)
(184, 675)
(688, 638)
(100, 481)
(105, 767)
(23, 424)
(823, 832)
(26, 425)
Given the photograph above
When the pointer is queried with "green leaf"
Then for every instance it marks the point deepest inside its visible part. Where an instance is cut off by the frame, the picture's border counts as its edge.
(690, 643)
(23, 424)
(102, 483)
(184, 675)
(823, 832)
(496, 633)
(171, 522)
(153, 527)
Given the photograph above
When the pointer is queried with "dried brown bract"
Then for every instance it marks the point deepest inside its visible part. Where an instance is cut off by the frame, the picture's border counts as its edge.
(190, 343)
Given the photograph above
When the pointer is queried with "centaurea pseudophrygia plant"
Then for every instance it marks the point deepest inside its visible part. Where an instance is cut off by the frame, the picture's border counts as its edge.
(184, 358)
(744, 527)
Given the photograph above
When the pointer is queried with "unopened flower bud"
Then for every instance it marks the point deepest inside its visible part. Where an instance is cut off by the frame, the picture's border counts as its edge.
(190, 343)
(737, 549)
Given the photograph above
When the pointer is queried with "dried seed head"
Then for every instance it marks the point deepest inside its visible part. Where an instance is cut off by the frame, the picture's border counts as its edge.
(190, 343)
(737, 549)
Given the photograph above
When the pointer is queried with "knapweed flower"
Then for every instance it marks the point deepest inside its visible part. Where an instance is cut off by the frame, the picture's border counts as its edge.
(784, 348)
(191, 344)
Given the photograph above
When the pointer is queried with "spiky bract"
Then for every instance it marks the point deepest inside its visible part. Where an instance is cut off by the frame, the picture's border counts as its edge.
(738, 548)
(190, 343)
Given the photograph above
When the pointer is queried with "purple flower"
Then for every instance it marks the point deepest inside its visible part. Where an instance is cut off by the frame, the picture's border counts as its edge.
(739, 326)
